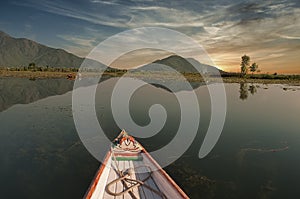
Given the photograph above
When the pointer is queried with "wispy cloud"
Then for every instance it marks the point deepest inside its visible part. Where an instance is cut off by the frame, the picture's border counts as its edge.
(64, 9)
(79, 46)
(82, 44)
(288, 37)
(225, 28)
(105, 2)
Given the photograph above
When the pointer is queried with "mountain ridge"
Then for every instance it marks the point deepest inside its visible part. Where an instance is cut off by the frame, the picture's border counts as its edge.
(17, 52)
(180, 64)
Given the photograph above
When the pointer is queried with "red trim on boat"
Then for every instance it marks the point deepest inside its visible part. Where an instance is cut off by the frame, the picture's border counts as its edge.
(94, 183)
(163, 172)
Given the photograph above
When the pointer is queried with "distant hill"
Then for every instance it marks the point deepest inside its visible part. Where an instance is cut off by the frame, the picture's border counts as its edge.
(180, 64)
(16, 52)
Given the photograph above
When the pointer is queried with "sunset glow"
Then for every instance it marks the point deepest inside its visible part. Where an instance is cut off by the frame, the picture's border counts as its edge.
(267, 31)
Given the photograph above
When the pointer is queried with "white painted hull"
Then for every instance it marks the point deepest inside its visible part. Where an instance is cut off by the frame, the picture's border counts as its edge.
(162, 186)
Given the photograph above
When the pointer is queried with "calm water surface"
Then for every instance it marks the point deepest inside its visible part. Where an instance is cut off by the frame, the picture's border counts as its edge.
(257, 155)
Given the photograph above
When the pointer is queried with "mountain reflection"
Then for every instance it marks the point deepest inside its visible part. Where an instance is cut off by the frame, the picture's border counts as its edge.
(24, 91)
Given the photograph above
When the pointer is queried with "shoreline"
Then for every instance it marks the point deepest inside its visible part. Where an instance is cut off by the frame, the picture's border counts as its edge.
(190, 77)
(295, 82)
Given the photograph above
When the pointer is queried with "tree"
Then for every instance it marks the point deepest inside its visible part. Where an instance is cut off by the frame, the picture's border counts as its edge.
(253, 67)
(244, 65)
(31, 66)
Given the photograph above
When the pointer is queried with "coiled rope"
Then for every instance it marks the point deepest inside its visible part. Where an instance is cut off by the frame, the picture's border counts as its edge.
(124, 178)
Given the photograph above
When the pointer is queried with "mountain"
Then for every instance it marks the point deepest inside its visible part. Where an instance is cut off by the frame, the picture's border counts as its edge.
(181, 65)
(16, 52)
(204, 68)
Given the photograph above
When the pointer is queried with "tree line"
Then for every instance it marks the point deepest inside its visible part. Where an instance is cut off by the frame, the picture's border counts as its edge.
(34, 68)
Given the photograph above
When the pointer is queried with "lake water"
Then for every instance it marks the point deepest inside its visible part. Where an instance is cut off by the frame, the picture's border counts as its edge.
(257, 155)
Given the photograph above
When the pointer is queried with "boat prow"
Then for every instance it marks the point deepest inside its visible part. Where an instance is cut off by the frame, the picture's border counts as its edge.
(128, 171)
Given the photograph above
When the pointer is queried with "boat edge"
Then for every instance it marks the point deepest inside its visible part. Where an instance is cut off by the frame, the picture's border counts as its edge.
(96, 178)
(165, 174)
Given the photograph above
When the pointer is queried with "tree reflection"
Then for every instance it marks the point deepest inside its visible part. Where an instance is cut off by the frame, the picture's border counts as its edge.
(252, 89)
(243, 91)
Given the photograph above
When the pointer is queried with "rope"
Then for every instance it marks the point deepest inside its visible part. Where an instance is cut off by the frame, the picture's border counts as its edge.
(124, 178)
(120, 176)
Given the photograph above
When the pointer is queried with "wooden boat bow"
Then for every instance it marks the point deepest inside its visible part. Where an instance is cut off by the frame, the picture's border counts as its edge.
(129, 172)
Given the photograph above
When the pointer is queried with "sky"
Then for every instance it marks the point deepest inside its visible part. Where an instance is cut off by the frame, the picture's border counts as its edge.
(267, 31)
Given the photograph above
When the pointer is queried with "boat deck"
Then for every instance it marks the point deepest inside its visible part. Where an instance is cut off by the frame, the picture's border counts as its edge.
(159, 181)
(129, 171)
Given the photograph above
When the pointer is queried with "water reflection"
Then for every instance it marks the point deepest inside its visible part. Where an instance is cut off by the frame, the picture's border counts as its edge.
(252, 89)
(41, 155)
(23, 91)
(245, 89)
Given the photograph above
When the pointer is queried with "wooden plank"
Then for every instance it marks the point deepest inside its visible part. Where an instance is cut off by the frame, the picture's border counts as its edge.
(159, 181)
(142, 173)
(163, 180)
(126, 166)
(119, 184)
(101, 177)
(112, 176)
(135, 191)
(99, 191)
(138, 175)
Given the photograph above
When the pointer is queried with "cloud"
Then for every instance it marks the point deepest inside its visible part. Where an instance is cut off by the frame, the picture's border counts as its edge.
(226, 29)
(79, 46)
(288, 37)
(138, 58)
(105, 2)
(73, 11)
(121, 15)
(82, 44)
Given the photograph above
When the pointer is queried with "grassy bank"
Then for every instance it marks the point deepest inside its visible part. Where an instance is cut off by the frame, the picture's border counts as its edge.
(261, 78)
(295, 82)
(37, 74)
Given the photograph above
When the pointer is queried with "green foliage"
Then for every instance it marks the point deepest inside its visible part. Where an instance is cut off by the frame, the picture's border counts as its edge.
(31, 65)
(253, 67)
(244, 65)
(33, 68)
(275, 76)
